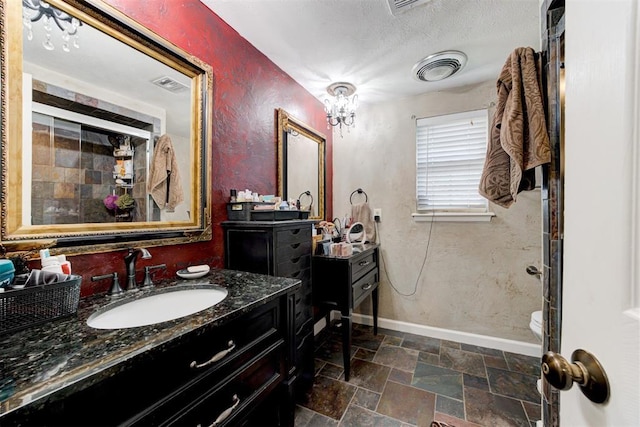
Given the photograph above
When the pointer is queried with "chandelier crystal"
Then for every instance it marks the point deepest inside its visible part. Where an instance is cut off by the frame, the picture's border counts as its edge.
(34, 10)
(341, 110)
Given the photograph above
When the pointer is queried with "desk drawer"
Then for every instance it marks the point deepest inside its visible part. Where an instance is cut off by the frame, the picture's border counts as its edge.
(293, 235)
(293, 250)
(294, 267)
(360, 266)
(364, 286)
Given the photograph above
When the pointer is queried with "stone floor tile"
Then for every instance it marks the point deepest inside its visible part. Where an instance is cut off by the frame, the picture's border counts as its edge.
(476, 382)
(364, 354)
(513, 384)
(399, 376)
(495, 362)
(463, 361)
(391, 340)
(407, 404)
(489, 409)
(360, 417)
(366, 398)
(523, 364)
(397, 357)
(533, 411)
(329, 397)
(371, 376)
(482, 350)
(303, 416)
(449, 406)
(426, 344)
(332, 371)
(430, 358)
(438, 380)
(453, 421)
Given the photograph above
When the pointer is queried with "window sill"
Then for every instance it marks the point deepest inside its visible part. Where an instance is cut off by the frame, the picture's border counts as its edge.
(453, 217)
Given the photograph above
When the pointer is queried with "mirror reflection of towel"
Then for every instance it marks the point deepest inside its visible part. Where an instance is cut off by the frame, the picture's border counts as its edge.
(362, 213)
(165, 185)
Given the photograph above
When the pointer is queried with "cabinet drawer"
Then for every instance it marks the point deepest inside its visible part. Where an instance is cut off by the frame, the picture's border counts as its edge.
(294, 267)
(294, 249)
(364, 286)
(360, 266)
(293, 235)
(204, 359)
(238, 395)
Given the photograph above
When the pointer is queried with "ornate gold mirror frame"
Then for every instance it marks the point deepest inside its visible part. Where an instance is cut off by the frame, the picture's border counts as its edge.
(306, 166)
(18, 234)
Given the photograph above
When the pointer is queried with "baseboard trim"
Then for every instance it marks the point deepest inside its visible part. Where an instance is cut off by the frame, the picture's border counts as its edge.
(511, 346)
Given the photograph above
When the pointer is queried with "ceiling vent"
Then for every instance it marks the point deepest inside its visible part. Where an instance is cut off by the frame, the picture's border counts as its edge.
(170, 84)
(399, 6)
(439, 66)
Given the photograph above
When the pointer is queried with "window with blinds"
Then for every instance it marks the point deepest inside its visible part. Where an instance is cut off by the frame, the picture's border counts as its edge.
(450, 152)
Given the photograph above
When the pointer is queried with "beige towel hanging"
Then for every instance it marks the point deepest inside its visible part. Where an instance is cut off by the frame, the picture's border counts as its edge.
(362, 213)
(165, 185)
(519, 141)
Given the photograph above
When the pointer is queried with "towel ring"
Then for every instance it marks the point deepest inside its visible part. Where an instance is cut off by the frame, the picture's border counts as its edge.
(306, 193)
(359, 191)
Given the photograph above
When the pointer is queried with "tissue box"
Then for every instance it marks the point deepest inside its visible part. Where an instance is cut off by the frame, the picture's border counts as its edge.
(7, 271)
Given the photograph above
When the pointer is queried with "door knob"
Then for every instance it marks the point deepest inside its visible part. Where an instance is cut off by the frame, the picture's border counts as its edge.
(585, 370)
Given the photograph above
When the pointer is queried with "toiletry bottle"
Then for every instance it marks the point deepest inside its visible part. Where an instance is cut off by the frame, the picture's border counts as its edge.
(64, 264)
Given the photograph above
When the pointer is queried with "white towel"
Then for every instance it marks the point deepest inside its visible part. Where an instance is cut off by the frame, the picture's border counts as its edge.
(362, 213)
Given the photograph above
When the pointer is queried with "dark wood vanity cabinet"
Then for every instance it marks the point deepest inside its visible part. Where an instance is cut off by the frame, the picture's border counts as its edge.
(280, 248)
(342, 283)
(239, 366)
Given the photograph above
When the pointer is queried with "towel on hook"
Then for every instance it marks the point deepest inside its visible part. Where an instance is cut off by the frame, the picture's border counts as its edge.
(362, 213)
(165, 185)
(518, 141)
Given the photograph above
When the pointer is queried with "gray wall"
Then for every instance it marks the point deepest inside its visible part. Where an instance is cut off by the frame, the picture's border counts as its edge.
(474, 280)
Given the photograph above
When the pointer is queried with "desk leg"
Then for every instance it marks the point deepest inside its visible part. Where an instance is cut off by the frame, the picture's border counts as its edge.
(346, 344)
(374, 300)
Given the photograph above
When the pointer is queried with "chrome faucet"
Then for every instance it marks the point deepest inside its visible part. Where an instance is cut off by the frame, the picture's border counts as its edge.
(130, 263)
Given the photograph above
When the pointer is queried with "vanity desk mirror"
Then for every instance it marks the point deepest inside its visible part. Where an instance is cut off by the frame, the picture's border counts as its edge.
(301, 164)
(89, 97)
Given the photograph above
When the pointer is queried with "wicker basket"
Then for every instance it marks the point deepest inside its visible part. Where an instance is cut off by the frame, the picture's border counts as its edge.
(23, 308)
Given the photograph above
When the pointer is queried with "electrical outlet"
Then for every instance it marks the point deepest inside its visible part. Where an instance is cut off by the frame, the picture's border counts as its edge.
(377, 214)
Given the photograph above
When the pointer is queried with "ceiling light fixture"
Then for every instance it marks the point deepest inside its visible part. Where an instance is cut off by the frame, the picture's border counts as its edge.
(34, 10)
(342, 109)
(439, 66)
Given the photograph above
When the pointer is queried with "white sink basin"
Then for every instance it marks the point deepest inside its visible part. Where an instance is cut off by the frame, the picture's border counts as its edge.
(156, 308)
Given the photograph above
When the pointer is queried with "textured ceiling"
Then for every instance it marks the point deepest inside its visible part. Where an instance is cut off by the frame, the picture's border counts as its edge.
(318, 42)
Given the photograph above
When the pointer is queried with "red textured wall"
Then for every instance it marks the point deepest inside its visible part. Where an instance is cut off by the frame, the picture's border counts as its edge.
(248, 89)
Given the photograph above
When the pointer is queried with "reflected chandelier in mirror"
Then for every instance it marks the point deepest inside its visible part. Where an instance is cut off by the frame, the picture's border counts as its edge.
(301, 164)
(104, 131)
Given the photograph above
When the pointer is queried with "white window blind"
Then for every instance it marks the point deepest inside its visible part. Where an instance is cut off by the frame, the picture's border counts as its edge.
(450, 152)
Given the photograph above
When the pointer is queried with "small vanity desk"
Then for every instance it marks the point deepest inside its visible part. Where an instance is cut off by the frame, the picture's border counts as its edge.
(342, 283)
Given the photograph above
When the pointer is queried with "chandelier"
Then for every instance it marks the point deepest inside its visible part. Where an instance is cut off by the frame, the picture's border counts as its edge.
(34, 10)
(341, 110)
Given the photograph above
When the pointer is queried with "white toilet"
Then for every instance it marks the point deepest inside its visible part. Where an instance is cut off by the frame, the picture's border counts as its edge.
(536, 324)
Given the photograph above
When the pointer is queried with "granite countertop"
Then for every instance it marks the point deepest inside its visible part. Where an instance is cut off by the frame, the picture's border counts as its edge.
(64, 356)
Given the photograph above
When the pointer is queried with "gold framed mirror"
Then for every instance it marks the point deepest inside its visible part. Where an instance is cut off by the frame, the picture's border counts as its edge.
(105, 129)
(301, 164)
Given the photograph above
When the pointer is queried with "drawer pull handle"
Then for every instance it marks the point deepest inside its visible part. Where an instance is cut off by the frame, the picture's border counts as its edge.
(367, 286)
(295, 260)
(363, 263)
(225, 414)
(295, 245)
(215, 358)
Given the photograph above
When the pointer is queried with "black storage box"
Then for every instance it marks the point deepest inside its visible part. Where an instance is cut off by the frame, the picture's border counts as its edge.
(241, 211)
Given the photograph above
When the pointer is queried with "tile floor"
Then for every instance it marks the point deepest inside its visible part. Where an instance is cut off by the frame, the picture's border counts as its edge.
(400, 379)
